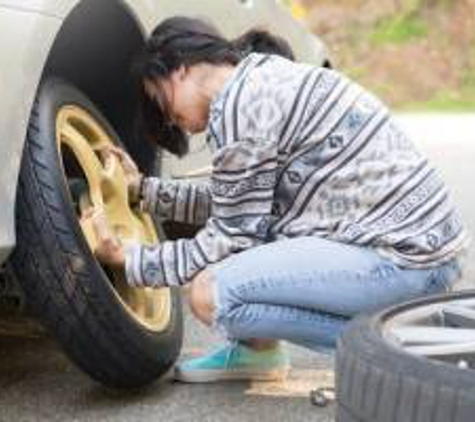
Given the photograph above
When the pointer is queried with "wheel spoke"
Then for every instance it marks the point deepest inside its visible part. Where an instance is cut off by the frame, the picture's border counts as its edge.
(459, 316)
(433, 335)
(88, 160)
(443, 350)
(139, 305)
(151, 307)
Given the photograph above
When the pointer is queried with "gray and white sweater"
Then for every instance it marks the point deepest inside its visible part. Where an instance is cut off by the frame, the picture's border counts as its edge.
(300, 151)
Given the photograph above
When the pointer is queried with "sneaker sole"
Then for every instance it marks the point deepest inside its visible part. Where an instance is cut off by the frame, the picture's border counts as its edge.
(207, 376)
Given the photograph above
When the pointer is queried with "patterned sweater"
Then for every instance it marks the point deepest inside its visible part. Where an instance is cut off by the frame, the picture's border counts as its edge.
(300, 151)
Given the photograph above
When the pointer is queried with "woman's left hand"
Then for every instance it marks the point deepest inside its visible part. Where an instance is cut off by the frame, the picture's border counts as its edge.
(109, 249)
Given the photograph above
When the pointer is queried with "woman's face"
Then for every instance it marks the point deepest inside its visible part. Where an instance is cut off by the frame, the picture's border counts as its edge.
(187, 107)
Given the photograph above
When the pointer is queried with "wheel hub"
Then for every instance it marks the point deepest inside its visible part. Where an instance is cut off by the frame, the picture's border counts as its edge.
(81, 138)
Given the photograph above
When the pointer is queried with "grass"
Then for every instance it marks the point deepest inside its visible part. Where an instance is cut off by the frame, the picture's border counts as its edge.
(446, 101)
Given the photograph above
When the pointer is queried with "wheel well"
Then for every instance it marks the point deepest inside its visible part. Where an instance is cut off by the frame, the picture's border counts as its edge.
(94, 51)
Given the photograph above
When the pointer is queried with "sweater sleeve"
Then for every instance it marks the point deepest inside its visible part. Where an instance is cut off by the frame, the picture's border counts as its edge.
(177, 200)
(243, 181)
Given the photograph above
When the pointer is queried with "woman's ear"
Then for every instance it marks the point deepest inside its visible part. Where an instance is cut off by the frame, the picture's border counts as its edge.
(182, 72)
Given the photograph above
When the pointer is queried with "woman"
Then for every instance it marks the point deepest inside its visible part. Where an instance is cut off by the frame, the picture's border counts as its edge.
(319, 207)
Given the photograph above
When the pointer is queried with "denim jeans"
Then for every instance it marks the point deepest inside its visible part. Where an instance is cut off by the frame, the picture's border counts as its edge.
(305, 289)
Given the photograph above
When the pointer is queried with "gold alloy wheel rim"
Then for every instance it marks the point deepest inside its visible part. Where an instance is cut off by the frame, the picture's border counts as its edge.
(84, 137)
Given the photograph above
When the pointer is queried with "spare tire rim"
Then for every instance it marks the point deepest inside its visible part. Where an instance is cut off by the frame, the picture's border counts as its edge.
(442, 330)
(81, 137)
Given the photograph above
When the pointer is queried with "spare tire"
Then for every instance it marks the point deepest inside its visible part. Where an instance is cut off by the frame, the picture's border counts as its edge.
(410, 363)
(121, 336)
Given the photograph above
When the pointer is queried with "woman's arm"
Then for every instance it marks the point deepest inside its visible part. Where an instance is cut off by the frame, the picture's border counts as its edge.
(243, 182)
(177, 200)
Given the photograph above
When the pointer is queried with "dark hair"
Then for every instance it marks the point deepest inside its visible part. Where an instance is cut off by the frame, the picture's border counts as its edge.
(179, 41)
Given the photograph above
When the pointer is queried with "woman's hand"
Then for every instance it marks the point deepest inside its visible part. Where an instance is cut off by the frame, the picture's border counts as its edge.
(131, 171)
(109, 249)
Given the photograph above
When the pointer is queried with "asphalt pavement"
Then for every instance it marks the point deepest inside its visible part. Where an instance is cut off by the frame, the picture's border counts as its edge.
(38, 383)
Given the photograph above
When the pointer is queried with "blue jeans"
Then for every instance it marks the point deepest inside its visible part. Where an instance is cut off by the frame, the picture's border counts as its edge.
(304, 290)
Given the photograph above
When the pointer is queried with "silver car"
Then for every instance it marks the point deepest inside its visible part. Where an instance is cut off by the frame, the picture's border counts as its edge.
(66, 93)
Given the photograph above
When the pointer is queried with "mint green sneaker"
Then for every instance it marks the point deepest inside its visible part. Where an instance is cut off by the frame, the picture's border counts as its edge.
(236, 362)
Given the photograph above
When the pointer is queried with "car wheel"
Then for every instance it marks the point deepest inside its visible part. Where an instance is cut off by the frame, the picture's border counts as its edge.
(411, 363)
(122, 337)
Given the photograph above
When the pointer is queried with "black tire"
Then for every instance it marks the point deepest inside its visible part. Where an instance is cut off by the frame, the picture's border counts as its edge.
(379, 382)
(63, 283)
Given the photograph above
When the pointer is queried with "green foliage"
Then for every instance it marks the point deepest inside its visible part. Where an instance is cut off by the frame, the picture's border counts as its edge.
(410, 27)
(468, 81)
(468, 75)
(399, 29)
